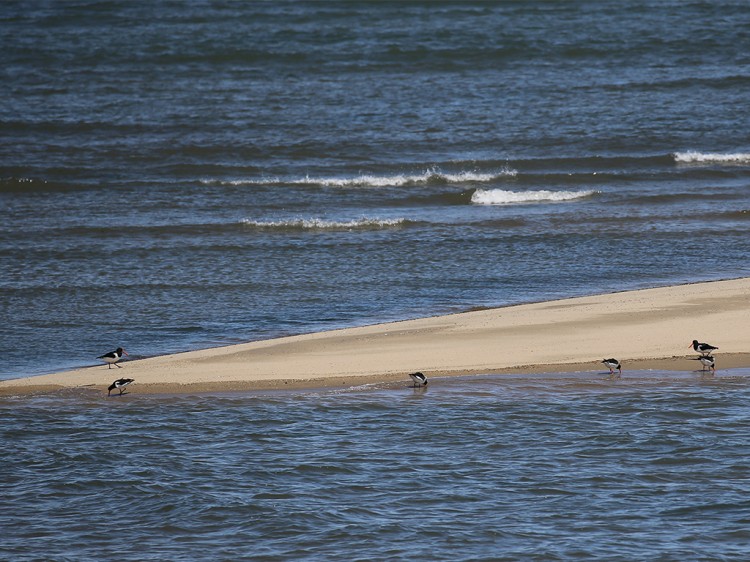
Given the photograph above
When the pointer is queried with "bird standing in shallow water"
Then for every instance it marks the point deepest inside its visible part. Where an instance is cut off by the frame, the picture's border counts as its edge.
(113, 357)
(120, 385)
(419, 379)
(612, 364)
(702, 348)
(707, 361)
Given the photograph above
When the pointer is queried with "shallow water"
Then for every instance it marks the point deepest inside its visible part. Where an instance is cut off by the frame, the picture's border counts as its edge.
(545, 467)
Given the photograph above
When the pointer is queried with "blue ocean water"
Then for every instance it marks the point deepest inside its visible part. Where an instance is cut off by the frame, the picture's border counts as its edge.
(186, 175)
(176, 176)
(191, 174)
(651, 466)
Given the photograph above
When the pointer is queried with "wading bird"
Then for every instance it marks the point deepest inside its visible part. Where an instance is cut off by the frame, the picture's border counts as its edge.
(120, 385)
(113, 357)
(708, 361)
(702, 348)
(612, 364)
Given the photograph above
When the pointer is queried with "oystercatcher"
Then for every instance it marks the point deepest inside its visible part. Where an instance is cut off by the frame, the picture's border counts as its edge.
(113, 357)
(120, 385)
(702, 348)
(612, 364)
(419, 379)
(708, 361)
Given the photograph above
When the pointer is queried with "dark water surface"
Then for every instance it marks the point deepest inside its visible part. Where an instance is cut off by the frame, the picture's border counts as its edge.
(184, 175)
(652, 466)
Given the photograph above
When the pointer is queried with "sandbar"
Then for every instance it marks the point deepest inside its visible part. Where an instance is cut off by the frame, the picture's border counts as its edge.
(644, 329)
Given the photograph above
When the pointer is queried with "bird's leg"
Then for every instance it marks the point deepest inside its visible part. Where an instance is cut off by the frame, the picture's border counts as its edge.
(118, 366)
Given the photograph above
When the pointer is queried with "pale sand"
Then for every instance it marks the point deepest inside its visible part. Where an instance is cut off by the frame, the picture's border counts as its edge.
(645, 329)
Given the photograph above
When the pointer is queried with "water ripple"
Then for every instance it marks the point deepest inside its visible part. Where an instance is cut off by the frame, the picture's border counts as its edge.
(552, 468)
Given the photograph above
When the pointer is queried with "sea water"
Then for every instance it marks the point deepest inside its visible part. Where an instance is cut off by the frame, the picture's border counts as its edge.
(185, 175)
(649, 466)
(178, 176)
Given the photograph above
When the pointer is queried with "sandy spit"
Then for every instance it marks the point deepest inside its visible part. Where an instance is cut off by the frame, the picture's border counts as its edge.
(644, 329)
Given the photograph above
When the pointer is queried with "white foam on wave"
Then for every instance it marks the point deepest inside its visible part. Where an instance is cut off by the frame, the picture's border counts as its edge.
(263, 181)
(504, 197)
(322, 224)
(693, 157)
(411, 179)
(367, 180)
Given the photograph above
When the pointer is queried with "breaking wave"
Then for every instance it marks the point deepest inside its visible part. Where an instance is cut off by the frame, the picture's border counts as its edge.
(429, 177)
(504, 197)
(329, 225)
(693, 157)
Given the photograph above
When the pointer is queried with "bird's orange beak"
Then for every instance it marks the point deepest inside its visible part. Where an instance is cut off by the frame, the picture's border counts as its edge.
(125, 352)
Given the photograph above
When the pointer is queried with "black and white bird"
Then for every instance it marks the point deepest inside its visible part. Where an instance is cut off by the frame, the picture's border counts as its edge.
(419, 379)
(113, 357)
(703, 348)
(708, 361)
(120, 385)
(612, 364)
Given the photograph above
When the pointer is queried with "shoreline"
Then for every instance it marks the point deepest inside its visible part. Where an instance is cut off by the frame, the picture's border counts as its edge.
(645, 329)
